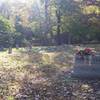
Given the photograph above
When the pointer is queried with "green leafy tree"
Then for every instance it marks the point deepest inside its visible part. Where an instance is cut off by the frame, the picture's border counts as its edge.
(6, 32)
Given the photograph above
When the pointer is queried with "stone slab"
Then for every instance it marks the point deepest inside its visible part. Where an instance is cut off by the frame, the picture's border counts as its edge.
(82, 69)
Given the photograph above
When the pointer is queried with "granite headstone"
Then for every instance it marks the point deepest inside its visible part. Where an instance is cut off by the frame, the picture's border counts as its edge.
(87, 67)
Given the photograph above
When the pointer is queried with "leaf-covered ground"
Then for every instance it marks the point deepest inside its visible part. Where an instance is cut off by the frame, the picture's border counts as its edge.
(43, 74)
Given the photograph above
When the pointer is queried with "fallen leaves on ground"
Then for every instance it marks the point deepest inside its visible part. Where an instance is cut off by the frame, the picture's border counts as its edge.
(32, 76)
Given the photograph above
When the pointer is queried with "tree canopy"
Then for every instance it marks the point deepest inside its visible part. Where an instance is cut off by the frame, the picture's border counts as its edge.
(52, 21)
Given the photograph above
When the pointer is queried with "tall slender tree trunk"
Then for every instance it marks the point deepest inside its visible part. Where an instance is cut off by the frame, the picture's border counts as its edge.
(10, 50)
(69, 39)
(10, 44)
(50, 26)
(58, 26)
(40, 26)
(46, 20)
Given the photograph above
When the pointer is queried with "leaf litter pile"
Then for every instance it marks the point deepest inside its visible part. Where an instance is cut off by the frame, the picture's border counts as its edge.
(43, 74)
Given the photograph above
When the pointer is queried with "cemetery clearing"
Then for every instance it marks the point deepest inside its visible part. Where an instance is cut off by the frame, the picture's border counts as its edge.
(43, 74)
(49, 49)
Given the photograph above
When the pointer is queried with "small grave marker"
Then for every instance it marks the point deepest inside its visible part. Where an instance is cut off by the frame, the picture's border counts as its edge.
(87, 66)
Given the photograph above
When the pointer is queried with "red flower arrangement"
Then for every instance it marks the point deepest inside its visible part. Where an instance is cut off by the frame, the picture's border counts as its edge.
(85, 52)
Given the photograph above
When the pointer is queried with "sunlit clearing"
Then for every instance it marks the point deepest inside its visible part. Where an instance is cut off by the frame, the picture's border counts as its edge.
(21, 1)
(38, 2)
(28, 2)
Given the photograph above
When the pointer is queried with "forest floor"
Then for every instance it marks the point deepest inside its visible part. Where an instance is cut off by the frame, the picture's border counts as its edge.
(43, 74)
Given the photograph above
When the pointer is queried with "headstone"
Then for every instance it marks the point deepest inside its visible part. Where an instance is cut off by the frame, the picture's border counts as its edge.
(87, 67)
(82, 60)
(96, 59)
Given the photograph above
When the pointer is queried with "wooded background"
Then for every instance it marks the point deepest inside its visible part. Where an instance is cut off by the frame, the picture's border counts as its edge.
(49, 22)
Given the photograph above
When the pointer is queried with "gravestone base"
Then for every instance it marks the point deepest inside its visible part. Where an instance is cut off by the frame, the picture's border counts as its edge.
(87, 70)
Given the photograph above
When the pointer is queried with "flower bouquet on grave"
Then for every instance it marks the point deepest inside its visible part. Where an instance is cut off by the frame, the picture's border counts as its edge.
(89, 51)
(86, 52)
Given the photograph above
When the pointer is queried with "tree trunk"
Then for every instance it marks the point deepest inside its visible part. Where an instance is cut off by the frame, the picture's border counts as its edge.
(69, 39)
(17, 46)
(10, 50)
(10, 44)
(29, 46)
(58, 26)
(47, 17)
